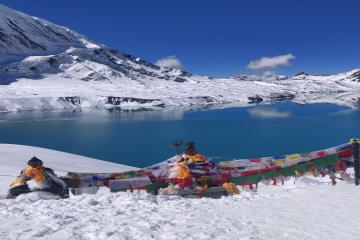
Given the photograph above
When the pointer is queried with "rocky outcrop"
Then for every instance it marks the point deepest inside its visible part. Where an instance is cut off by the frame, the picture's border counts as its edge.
(255, 99)
(281, 97)
(117, 101)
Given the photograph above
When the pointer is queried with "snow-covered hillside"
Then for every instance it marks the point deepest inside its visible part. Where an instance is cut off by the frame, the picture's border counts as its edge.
(22, 35)
(46, 66)
(309, 209)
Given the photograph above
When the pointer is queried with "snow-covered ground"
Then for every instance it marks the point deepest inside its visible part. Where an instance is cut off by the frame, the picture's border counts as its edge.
(13, 158)
(310, 209)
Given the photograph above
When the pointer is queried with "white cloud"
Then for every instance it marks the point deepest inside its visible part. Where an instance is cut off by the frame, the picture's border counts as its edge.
(261, 112)
(170, 61)
(271, 62)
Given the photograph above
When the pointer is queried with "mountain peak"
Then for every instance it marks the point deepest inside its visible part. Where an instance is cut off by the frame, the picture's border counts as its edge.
(301, 74)
(23, 35)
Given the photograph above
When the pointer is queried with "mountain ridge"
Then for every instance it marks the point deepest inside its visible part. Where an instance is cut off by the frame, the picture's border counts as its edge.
(46, 66)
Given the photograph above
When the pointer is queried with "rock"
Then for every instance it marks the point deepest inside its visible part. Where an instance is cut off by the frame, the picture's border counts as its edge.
(282, 96)
(256, 99)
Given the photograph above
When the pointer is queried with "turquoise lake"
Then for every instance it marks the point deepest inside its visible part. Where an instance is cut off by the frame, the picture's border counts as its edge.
(142, 138)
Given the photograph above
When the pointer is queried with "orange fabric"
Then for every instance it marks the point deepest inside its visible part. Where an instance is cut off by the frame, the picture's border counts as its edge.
(183, 172)
(194, 158)
(17, 182)
(37, 173)
(184, 183)
(199, 189)
(231, 188)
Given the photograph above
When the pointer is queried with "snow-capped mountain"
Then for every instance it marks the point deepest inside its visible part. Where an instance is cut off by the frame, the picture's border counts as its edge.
(46, 66)
(32, 47)
(22, 35)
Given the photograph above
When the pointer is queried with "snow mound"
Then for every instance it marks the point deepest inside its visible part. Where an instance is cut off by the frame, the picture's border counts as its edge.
(35, 196)
(309, 181)
(13, 158)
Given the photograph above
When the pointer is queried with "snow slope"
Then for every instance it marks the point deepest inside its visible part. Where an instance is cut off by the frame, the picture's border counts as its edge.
(22, 35)
(13, 158)
(309, 209)
(46, 66)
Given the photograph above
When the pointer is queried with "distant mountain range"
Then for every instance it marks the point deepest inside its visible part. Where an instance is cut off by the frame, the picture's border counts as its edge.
(46, 66)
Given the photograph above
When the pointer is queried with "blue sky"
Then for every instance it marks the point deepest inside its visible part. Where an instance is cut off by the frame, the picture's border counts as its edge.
(218, 38)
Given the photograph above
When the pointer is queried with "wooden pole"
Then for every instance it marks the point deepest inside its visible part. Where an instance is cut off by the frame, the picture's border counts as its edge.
(356, 152)
(176, 144)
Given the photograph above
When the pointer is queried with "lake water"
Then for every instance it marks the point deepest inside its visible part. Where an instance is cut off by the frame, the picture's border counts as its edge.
(142, 138)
